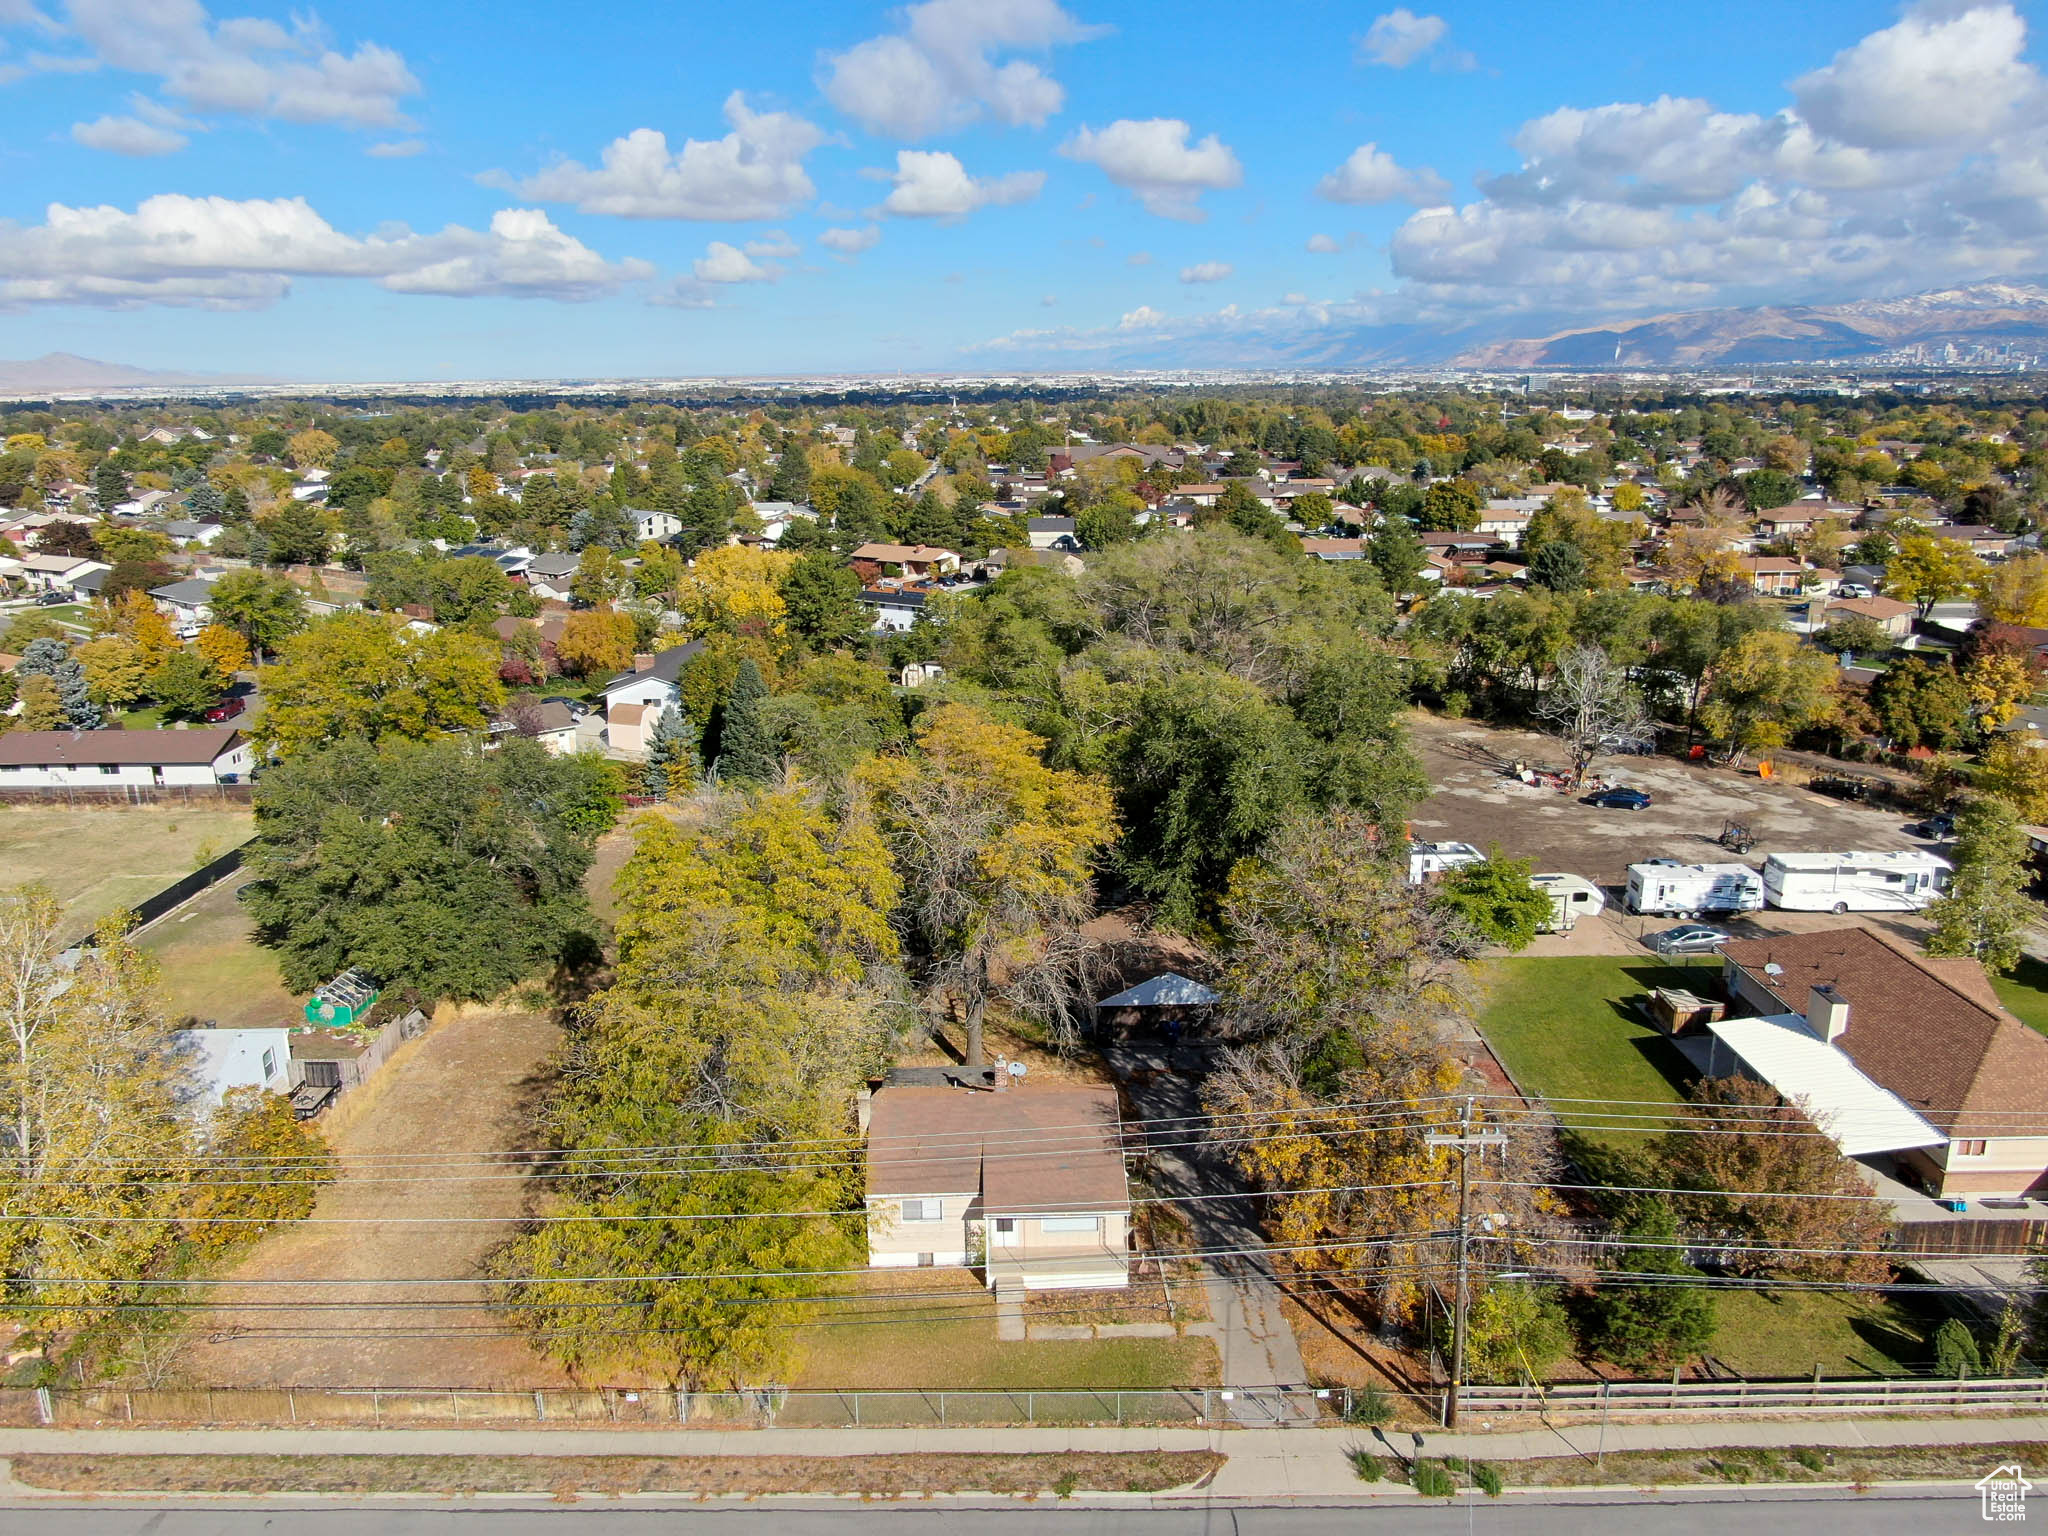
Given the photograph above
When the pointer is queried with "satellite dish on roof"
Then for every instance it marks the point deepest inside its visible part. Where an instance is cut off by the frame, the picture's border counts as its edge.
(1772, 968)
(1017, 1069)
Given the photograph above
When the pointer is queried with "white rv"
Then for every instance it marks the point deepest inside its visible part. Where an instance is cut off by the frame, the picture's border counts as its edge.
(1684, 890)
(1428, 859)
(1854, 882)
(1571, 898)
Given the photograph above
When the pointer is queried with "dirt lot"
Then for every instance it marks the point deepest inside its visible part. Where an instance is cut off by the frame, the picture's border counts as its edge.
(463, 1089)
(97, 860)
(1476, 803)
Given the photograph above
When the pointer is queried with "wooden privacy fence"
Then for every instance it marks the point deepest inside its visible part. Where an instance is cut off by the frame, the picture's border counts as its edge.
(1748, 1398)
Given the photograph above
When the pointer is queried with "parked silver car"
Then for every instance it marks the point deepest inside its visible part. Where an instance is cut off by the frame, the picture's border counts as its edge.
(1688, 939)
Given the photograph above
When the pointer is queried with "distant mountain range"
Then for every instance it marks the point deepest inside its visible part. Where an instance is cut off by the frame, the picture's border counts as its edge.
(65, 373)
(1982, 315)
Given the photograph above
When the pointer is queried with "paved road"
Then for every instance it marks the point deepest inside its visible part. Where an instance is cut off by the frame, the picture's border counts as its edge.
(1877, 1514)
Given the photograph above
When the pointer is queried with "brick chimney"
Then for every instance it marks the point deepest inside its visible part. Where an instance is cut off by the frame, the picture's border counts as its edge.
(1827, 1013)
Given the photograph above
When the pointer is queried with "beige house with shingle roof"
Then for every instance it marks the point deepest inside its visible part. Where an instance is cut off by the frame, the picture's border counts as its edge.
(969, 1165)
(1932, 1032)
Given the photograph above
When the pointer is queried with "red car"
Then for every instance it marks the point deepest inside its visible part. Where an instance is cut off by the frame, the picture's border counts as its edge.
(226, 709)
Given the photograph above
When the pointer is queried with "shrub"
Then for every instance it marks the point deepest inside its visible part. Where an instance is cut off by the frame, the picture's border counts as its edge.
(1955, 1349)
(1488, 1477)
(1433, 1482)
(1368, 1405)
(1809, 1458)
(1370, 1468)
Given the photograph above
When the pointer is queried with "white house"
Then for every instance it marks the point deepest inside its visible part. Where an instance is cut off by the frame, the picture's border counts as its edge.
(650, 525)
(971, 1165)
(115, 760)
(218, 1061)
(895, 609)
(634, 700)
(188, 530)
(59, 573)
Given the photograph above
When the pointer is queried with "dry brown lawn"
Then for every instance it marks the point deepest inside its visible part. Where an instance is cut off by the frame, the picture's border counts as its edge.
(97, 860)
(465, 1088)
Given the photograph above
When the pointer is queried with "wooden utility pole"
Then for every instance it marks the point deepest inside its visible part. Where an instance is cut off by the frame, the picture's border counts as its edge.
(1467, 1137)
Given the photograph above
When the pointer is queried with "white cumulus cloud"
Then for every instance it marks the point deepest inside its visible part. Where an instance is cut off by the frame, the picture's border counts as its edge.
(1206, 272)
(952, 64)
(1371, 175)
(754, 172)
(851, 242)
(128, 136)
(722, 263)
(241, 65)
(397, 149)
(220, 253)
(931, 184)
(1153, 159)
(1324, 245)
(1940, 75)
(1400, 37)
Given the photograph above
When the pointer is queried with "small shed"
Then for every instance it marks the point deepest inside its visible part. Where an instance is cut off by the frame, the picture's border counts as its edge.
(344, 1001)
(1676, 1011)
(1168, 1003)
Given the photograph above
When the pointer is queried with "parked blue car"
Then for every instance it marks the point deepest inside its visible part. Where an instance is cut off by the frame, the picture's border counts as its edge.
(1620, 798)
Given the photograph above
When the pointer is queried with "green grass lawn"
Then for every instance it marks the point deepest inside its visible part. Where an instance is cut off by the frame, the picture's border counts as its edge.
(97, 859)
(142, 719)
(1564, 1027)
(213, 968)
(2025, 992)
(1786, 1333)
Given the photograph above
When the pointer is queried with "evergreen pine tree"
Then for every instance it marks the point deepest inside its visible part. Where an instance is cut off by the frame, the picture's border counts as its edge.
(792, 474)
(50, 658)
(671, 754)
(745, 755)
(1660, 1320)
(109, 485)
(1986, 912)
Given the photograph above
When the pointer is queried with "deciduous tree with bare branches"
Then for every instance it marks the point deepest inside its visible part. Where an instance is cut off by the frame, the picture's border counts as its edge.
(1593, 707)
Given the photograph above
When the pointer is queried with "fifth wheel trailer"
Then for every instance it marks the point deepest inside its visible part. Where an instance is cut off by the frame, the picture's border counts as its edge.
(1680, 890)
(1854, 882)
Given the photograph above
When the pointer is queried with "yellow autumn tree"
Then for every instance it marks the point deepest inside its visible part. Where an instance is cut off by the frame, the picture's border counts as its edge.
(115, 676)
(1998, 681)
(1765, 689)
(313, 448)
(2017, 772)
(223, 648)
(134, 617)
(2015, 592)
(996, 853)
(737, 589)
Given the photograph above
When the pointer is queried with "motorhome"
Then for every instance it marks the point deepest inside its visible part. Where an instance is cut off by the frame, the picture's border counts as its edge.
(1686, 890)
(1854, 882)
(1426, 860)
(1571, 898)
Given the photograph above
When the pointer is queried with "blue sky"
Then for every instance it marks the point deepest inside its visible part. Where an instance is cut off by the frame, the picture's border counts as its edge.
(385, 191)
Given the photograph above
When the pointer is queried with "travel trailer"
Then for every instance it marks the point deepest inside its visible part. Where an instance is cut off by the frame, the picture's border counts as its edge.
(1571, 898)
(1429, 859)
(1854, 882)
(1685, 890)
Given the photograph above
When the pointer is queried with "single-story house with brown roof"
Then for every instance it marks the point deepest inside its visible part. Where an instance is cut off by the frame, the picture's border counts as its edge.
(1772, 575)
(912, 559)
(1893, 616)
(973, 1165)
(1930, 1033)
(109, 760)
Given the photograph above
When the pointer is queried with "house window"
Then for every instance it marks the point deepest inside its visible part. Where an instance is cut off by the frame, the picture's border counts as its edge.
(926, 1260)
(269, 1065)
(924, 1210)
(1969, 1149)
(110, 767)
(1006, 1226)
(1070, 1223)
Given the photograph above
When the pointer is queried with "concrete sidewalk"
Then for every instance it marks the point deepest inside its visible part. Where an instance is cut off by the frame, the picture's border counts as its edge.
(1263, 1463)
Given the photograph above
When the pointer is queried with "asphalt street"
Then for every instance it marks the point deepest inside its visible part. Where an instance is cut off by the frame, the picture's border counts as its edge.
(1714, 1513)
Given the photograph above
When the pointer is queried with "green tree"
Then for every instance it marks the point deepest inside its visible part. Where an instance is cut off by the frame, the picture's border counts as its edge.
(1927, 570)
(186, 684)
(472, 587)
(1559, 566)
(265, 609)
(671, 755)
(297, 534)
(1765, 688)
(1451, 506)
(1956, 1355)
(1398, 554)
(442, 870)
(1985, 913)
(1498, 899)
(1654, 1321)
(745, 753)
(821, 599)
(1515, 1333)
(1108, 522)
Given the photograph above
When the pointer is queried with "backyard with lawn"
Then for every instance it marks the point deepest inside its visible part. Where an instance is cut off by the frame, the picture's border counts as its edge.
(213, 968)
(2025, 992)
(1567, 1028)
